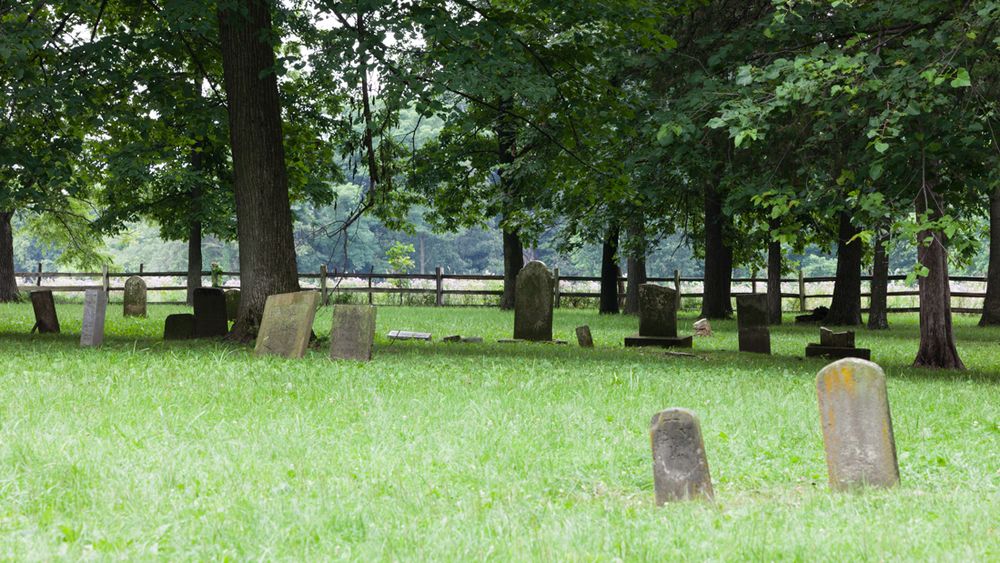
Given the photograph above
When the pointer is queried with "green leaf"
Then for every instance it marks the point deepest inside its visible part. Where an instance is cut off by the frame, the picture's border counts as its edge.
(875, 170)
(881, 147)
(962, 79)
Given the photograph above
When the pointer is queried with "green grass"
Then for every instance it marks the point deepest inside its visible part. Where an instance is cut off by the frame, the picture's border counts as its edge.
(147, 449)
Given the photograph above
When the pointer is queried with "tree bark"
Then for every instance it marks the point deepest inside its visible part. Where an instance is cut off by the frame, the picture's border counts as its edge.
(513, 249)
(263, 212)
(717, 300)
(8, 281)
(774, 264)
(991, 306)
(513, 261)
(194, 263)
(845, 309)
(878, 311)
(937, 339)
(609, 272)
(636, 264)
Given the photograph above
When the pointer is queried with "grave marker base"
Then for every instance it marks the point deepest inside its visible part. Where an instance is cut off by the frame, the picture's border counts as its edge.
(836, 352)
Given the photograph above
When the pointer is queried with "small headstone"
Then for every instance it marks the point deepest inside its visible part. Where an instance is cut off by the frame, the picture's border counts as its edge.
(702, 327)
(583, 337)
(857, 425)
(680, 466)
(95, 306)
(407, 335)
(210, 313)
(135, 297)
(657, 319)
(836, 345)
(751, 320)
(232, 304)
(46, 320)
(179, 327)
(533, 301)
(452, 338)
(352, 336)
(287, 324)
(828, 337)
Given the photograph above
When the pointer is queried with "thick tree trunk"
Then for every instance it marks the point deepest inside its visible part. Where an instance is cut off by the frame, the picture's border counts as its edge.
(263, 212)
(194, 263)
(991, 306)
(636, 264)
(513, 261)
(878, 311)
(845, 309)
(8, 281)
(609, 273)
(513, 249)
(717, 302)
(937, 339)
(774, 262)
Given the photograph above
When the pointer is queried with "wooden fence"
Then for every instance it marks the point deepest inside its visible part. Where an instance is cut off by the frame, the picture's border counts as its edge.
(331, 283)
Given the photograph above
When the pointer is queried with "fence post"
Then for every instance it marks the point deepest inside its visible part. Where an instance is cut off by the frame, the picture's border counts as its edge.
(142, 267)
(106, 280)
(324, 299)
(370, 274)
(677, 287)
(439, 286)
(802, 292)
(38, 281)
(753, 282)
(558, 296)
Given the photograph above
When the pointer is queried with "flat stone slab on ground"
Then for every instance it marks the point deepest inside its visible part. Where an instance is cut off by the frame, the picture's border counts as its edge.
(134, 302)
(95, 307)
(857, 425)
(287, 324)
(179, 327)
(44, 306)
(833, 352)
(456, 338)
(533, 301)
(660, 341)
(210, 313)
(352, 336)
(583, 337)
(680, 466)
(406, 335)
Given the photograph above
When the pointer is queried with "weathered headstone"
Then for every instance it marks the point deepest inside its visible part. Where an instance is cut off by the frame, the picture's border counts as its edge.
(95, 307)
(657, 319)
(680, 466)
(210, 313)
(857, 425)
(287, 324)
(232, 304)
(836, 345)
(46, 320)
(352, 336)
(179, 327)
(702, 327)
(533, 301)
(828, 337)
(751, 322)
(583, 337)
(135, 297)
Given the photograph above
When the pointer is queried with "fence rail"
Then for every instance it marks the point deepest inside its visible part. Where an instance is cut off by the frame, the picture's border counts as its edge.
(333, 282)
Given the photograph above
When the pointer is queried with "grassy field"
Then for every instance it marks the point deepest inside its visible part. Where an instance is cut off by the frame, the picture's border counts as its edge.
(146, 449)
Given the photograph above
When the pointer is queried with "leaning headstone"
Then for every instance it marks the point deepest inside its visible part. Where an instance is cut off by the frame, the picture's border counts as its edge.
(287, 324)
(702, 327)
(232, 304)
(680, 466)
(657, 319)
(583, 337)
(751, 322)
(836, 345)
(210, 313)
(352, 336)
(533, 300)
(95, 307)
(135, 297)
(857, 426)
(179, 327)
(46, 320)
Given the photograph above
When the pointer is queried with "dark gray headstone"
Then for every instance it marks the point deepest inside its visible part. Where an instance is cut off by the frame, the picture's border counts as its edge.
(352, 336)
(179, 327)
(533, 300)
(857, 426)
(135, 297)
(44, 305)
(680, 466)
(583, 337)
(232, 303)
(287, 324)
(751, 311)
(657, 311)
(95, 307)
(210, 313)
(828, 337)
(755, 340)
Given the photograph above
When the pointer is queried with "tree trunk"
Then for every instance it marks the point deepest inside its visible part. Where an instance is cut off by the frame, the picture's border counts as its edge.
(8, 281)
(263, 212)
(991, 306)
(609, 273)
(937, 339)
(513, 250)
(774, 279)
(717, 302)
(513, 261)
(194, 263)
(636, 264)
(878, 311)
(845, 309)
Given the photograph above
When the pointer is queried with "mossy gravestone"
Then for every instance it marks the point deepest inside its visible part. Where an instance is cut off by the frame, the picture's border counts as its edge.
(583, 337)
(352, 336)
(287, 324)
(210, 313)
(657, 319)
(95, 307)
(135, 297)
(46, 320)
(751, 322)
(857, 426)
(680, 467)
(533, 300)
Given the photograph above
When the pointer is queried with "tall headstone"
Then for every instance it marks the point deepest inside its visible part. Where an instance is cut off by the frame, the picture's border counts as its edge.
(352, 336)
(533, 301)
(857, 427)
(752, 323)
(680, 466)
(210, 313)
(583, 337)
(95, 307)
(135, 297)
(232, 304)
(287, 324)
(46, 320)
(657, 319)
(179, 327)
